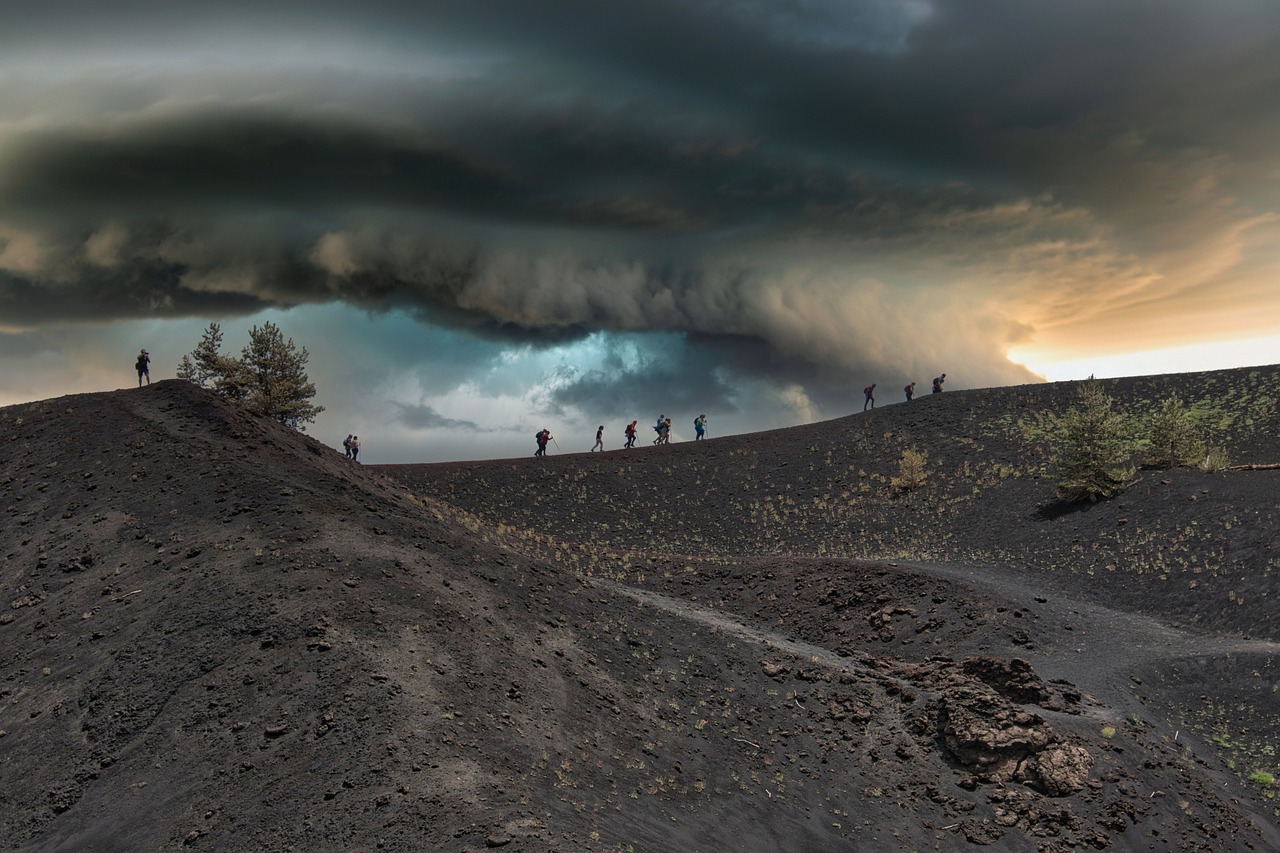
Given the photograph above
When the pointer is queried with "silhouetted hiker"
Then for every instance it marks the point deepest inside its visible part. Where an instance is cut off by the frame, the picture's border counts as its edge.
(144, 367)
(346, 445)
(543, 436)
(355, 448)
(630, 433)
(870, 392)
(599, 445)
(910, 391)
(700, 425)
(937, 383)
(658, 429)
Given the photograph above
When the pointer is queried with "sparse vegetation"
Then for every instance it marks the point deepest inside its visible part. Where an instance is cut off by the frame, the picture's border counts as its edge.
(1093, 446)
(269, 377)
(1262, 777)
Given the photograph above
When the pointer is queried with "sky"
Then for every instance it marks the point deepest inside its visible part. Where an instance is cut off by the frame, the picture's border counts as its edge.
(483, 218)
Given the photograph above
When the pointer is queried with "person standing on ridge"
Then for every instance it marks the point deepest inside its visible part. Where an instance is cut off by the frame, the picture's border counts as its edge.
(543, 436)
(937, 383)
(355, 448)
(630, 433)
(700, 426)
(599, 445)
(346, 445)
(910, 391)
(143, 366)
(870, 392)
(658, 428)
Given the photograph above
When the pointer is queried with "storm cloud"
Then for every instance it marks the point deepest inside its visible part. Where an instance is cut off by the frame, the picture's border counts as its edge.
(803, 194)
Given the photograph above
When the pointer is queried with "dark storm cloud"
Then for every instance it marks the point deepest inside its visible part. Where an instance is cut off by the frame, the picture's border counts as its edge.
(809, 190)
(424, 417)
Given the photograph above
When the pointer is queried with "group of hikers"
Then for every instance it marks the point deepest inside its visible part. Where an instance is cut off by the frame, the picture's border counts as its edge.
(662, 430)
(351, 444)
(910, 390)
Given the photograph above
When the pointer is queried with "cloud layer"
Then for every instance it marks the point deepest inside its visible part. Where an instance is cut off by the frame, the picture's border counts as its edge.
(805, 194)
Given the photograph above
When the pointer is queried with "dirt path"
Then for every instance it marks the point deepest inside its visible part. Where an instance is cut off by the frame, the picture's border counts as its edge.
(1097, 648)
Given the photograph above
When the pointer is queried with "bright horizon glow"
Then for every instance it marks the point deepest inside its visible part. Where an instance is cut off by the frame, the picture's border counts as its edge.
(1193, 358)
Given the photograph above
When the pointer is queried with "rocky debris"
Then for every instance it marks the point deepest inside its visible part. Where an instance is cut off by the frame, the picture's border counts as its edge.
(989, 736)
(1062, 769)
(992, 734)
(1012, 678)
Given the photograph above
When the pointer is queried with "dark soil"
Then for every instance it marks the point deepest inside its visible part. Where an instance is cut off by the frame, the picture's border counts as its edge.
(216, 633)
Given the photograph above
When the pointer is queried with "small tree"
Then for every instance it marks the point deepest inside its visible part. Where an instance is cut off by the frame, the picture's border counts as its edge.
(1092, 447)
(275, 380)
(208, 367)
(1173, 438)
(912, 470)
(269, 377)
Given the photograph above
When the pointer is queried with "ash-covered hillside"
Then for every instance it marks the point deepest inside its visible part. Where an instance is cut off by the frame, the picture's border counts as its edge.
(216, 633)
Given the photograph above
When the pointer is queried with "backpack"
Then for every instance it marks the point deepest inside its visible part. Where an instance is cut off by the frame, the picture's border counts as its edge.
(538, 437)
(867, 390)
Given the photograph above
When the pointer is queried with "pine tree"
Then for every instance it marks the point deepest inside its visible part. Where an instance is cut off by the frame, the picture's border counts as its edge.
(275, 377)
(1093, 447)
(206, 365)
(1173, 438)
(269, 378)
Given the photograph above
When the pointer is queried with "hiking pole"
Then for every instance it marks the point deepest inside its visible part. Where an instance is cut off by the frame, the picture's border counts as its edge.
(557, 444)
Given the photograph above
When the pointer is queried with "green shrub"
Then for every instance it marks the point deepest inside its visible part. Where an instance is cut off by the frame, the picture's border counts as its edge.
(1093, 446)
(1173, 438)
(1262, 777)
(912, 470)
(1215, 459)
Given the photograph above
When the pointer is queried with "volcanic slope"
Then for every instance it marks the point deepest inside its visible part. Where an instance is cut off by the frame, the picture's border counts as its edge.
(1162, 601)
(219, 634)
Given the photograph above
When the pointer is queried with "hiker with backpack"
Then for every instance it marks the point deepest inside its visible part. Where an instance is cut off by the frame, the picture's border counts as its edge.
(910, 391)
(346, 445)
(543, 436)
(143, 366)
(937, 383)
(630, 433)
(355, 448)
(599, 445)
(870, 392)
(658, 429)
(700, 426)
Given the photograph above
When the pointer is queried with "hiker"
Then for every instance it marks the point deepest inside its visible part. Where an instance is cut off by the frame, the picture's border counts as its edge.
(658, 429)
(665, 434)
(630, 433)
(910, 391)
(346, 445)
(870, 392)
(599, 445)
(700, 426)
(937, 383)
(143, 366)
(355, 448)
(543, 436)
